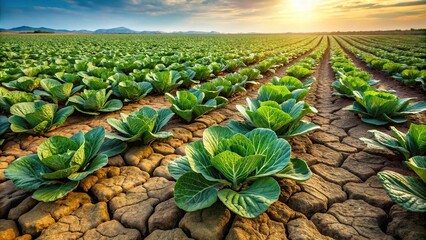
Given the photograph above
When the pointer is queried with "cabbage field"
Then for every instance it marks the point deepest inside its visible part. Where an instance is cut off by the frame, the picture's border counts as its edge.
(167, 136)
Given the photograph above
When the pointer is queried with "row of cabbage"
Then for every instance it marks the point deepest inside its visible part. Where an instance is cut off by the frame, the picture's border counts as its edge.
(237, 164)
(410, 71)
(414, 46)
(380, 107)
(61, 162)
(92, 95)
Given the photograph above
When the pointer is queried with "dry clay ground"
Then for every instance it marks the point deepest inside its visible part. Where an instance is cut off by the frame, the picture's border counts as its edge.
(132, 198)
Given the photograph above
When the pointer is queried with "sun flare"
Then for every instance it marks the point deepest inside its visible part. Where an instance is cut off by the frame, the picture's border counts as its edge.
(302, 6)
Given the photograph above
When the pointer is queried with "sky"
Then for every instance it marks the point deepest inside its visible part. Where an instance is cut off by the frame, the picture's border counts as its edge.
(227, 16)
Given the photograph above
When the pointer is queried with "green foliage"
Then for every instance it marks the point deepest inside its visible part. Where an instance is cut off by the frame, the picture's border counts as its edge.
(412, 143)
(202, 72)
(27, 84)
(56, 91)
(279, 94)
(163, 82)
(408, 192)
(93, 102)
(37, 117)
(131, 91)
(209, 89)
(143, 125)
(284, 119)
(61, 162)
(298, 71)
(190, 106)
(237, 169)
(9, 98)
(4, 125)
(251, 73)
(381, 108)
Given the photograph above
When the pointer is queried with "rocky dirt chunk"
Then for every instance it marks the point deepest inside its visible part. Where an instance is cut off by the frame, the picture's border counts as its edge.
(10, 196)
(406, 225)
(175, 234)
(322, 194)
(150, 163)
(288, 188)
(134, 207)
(112, 230)
(88, 182)
(370, 191)
(308, 158)
(8, 229)
(300, 144)
(363, 164)
(362, 130)
(45, 214)
(22, 208)
(261, 227)
(162, 148)
(129, 177)
(323, 137)
(210, 223)
(341, 147)
(352, 219)
(13, 148)
(24, 237)
(194, 126)
(326, 155)
(173, 142)
(280, 212)
(334, 130)
(218, 117)
(339, 176)
(302, 228)
(117, 161)
(181, 133)
(207, 120)
(354, 142)
(166, 216)
(347, 122)
(135, 154)
(81, 220)
(320, 120)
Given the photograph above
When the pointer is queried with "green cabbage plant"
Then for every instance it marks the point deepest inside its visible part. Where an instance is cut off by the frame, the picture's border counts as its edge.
(231, 84)
(190, 106)
(292, 83)
(408, 76)
(408, 192)
(209, 89)
(163, 82)
(412, 143)
(27, 84)
(143, 125)
(68, 77)
(202, 72)
(187, 76)
(265, 65)
(4, 125)
(345, 86)
(37, 117)
(298, 72)
(9, 98)
(381, 108)
(95, 83)
(251, 73)
(236, 168)
(56, 91)
(61, 162)
(279, 94)
(93, 102)
(131, 91)
(284, 119)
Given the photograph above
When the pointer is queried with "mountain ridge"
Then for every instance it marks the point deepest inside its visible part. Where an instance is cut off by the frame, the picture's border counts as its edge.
(115, 30)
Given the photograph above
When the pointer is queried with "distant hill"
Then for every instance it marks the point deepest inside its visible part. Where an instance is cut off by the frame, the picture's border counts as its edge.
(117, 30)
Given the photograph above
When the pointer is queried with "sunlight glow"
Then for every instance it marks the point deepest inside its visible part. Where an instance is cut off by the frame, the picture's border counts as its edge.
(302, 6)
